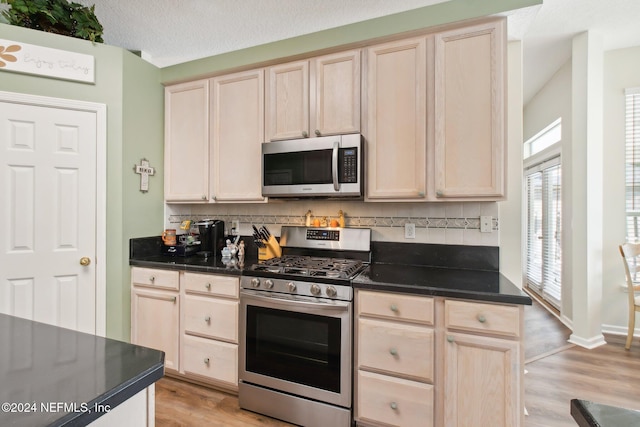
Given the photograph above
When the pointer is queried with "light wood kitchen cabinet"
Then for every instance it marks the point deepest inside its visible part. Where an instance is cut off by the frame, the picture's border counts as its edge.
(193, 318)
(210, 329)
(315, 97)
(470, 99)
(396, 121)
(437, 361)
(155, 312)
(186, 144)
(237, 130)
(483, 372)
(394, 359)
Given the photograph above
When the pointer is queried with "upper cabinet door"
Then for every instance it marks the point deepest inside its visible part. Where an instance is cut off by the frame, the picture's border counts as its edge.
(186, 158)
(237, 130)
(470, 103)
(288, 101)
(396, 120)
(335, 94)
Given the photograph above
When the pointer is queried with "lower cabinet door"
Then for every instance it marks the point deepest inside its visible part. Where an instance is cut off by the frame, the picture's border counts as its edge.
(482, 381)
(155, 322)
(214, 360)
(393, 401)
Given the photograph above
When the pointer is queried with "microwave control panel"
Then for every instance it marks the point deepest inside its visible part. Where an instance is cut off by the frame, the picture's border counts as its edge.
(348, 168)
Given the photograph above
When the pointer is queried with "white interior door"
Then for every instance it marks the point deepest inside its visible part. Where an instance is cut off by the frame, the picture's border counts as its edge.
(48, 215)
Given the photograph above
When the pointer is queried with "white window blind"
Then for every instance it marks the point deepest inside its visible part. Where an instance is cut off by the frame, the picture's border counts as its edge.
(632, 163)
(544, 234)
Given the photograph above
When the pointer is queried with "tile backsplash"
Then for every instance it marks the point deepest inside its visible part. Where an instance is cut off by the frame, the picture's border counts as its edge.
(439, 223)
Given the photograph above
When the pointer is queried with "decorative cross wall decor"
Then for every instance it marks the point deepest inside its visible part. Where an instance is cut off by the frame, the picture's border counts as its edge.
(145, 171)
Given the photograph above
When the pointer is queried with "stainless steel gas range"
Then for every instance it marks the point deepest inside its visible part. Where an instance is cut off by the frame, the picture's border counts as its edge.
(296, 327)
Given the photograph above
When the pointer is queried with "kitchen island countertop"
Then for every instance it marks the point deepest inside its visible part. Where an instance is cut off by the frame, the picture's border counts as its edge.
(53, 376)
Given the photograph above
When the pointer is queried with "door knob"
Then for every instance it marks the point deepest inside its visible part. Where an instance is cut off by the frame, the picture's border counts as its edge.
(84, 261)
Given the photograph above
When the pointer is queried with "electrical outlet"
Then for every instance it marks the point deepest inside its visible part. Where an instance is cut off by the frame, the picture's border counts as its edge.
(409, 231)
(485, 224)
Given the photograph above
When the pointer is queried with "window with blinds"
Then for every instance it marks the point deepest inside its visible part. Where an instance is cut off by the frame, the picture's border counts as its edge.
(543, 192)
(544, 232)
(632, 164)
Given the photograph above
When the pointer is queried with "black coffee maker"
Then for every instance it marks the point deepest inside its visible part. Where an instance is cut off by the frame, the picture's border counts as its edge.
(211, 237)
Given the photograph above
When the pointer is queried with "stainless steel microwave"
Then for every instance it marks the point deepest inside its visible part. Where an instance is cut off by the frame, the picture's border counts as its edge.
(327, 166)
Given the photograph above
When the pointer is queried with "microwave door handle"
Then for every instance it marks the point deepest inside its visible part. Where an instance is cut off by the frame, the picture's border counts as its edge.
(334, 166)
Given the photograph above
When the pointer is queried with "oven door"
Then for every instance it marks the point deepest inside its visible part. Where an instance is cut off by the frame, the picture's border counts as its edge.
(298, 345)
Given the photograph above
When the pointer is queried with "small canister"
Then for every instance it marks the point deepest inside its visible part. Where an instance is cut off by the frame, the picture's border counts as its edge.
(169, 237)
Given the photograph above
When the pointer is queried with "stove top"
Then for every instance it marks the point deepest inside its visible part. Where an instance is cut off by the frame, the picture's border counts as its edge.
(316, 267)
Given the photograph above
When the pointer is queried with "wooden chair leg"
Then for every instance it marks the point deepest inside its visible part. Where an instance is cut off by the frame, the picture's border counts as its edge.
(632, 326)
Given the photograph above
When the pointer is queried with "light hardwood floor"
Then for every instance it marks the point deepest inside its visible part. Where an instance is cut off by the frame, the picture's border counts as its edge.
(557, 373)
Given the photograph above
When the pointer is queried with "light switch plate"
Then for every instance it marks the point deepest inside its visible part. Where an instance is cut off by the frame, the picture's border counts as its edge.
(485, 224)
(409, 231)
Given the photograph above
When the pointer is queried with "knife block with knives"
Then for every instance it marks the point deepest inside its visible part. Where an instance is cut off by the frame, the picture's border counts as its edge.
(268, 246)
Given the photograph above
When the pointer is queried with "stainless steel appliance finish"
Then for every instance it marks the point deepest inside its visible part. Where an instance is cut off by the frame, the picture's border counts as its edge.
(296, 327)
(328, 166)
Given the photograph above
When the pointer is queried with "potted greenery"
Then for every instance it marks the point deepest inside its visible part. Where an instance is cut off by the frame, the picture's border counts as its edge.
(55, 16)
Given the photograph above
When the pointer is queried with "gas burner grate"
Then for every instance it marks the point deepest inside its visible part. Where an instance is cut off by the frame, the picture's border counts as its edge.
(312, 266)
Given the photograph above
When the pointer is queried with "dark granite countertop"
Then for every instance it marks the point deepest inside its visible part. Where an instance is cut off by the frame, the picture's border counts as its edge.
(479, 285)
(591, 414)
(53, 376)
(455, 271)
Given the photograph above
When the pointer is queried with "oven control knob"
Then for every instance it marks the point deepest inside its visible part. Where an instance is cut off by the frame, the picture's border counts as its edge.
(331, 292)
(315, 289)
(255, 282)
(291, 286)
(268, 284)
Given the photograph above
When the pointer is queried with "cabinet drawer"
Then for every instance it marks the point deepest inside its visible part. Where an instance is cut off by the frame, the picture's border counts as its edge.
(212, 359)
(210, 317)
(393, 401)
(396, 348)
(396, 306)
(166, 279)
(478, 317)
(208, 284)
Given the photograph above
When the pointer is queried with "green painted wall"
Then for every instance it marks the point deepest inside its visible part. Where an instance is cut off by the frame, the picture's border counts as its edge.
(429, 16)
(131, 90)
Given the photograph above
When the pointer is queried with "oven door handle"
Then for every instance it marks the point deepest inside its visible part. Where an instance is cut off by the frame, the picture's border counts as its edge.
(338, 306)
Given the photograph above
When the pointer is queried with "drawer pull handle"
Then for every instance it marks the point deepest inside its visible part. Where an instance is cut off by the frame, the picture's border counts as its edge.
(206, 360)
(152, 279)
(450, 338)
(481, 318)
(393, 405)
(208, 286)
(393, 351)
(207, 319)
(394, 308)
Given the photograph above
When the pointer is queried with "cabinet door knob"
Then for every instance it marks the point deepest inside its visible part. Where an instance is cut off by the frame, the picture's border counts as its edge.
(208, 286)
(207, 319)
(439, 193)
(421, 193)
(204, 197)
(84, 261)
(174, 299)
(305, 134)
(481, 318)
(318, 132)
(394, 308)
(206, 360)
(450, 338)
(152, 279)
(393, 351)
(393, 405)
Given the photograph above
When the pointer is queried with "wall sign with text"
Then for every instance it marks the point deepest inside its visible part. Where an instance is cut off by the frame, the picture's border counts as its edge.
(44, 61)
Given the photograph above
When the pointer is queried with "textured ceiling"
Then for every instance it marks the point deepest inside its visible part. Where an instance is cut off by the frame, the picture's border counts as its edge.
(170, 32)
